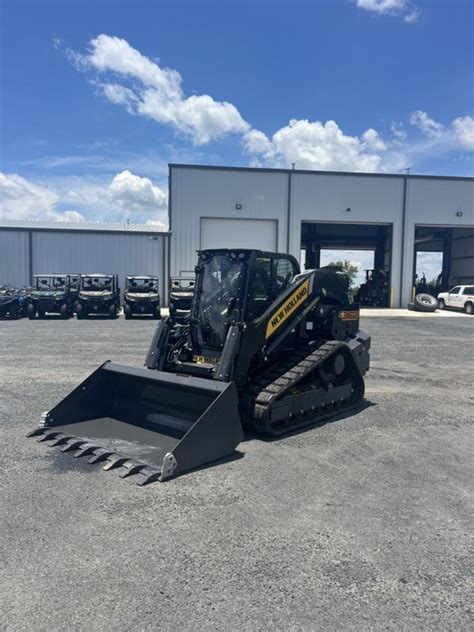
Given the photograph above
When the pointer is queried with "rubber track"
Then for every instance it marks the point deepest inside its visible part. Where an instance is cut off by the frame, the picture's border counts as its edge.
(274, 384)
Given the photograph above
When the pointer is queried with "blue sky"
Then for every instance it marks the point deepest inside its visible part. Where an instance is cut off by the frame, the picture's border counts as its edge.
(97, 98)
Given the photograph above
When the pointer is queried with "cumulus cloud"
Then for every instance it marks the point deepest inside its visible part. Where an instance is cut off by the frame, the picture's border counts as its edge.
(464, 130)
(22, 199)
(426, 124)
(126, 196)
(317, 145)
(133, 193)
(401, 8)
(155, 92)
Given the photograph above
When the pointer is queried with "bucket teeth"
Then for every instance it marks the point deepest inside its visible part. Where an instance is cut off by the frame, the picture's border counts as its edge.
(101, 454)
(131, 467)
(72, 444)
(84, 450)
(48, 436)
(36, 432)
(114, 461)
(148, 475)
(60, 439)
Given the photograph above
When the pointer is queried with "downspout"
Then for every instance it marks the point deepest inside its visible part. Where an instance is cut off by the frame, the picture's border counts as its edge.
(288, 215)
(404, 219)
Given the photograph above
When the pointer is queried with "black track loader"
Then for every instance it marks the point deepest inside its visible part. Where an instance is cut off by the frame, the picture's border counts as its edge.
(265, 348)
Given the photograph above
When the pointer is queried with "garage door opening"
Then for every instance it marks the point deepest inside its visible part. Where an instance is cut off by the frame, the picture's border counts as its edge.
(444, 257)
(367, 247)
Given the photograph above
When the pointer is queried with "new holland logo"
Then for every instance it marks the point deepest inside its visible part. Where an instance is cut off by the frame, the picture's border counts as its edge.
(279, 317)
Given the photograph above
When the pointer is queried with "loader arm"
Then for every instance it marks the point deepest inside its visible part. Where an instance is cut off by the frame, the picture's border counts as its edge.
(290, 311)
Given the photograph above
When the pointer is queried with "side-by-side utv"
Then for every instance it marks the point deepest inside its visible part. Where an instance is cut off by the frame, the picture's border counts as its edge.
(10, 303)
(181, 292)
(141, 296)
(266, 348)
(51, 294)
(98, 294)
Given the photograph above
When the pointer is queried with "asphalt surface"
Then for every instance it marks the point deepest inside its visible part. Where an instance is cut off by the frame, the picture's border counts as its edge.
(360, 524)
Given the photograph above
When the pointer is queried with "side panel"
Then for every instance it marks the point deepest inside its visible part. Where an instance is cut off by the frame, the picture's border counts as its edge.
(238, 233)
(97, 252)
(14, 258)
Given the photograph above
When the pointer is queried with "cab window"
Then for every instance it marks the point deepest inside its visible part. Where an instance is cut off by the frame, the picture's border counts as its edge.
(455, 290)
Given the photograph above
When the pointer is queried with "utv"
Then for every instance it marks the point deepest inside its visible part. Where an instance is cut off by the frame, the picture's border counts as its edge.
(98, 294)
(51, 293)
(181, 292)
(141, 296)
(10, 303)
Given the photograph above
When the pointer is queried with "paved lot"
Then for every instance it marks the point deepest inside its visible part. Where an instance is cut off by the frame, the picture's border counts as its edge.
(360, 524)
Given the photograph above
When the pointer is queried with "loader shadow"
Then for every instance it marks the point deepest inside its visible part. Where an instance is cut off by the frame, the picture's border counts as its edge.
(312, 424)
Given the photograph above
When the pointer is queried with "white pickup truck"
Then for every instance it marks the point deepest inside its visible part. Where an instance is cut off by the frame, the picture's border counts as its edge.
(459, 297)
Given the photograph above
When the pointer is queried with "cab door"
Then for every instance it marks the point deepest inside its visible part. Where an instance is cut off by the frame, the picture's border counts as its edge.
(454, 296)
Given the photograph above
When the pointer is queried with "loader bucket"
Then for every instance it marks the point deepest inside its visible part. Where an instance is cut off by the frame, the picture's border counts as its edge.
(148, 422)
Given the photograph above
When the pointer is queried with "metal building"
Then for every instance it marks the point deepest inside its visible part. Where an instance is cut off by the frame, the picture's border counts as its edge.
(29, 248)
(293, 210)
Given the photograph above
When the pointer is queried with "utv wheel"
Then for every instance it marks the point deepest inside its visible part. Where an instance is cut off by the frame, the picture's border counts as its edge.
(468, 308)
(41, 314)
(113, 312)
(441, 304)
(31, 312)
(15, 312)
(80, 312)
(64, 312)
(127, 310)
(411, 306)
(157, 313)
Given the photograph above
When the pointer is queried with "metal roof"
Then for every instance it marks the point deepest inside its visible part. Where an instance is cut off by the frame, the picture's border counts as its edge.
(316, 172)
(95, 227)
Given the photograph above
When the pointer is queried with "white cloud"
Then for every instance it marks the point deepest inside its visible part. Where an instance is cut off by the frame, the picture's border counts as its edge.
(373, 141)
(426, 124)
(22, 199)
(156, 92)
(464, 130)
(127, 196)
(133, 193)
(401, 8)
(316, 145)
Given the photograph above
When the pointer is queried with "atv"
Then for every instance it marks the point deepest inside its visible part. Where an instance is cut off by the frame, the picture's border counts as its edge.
(141, 296)
(51, 294)
(181, 292)
(98, 294)
(10, 303)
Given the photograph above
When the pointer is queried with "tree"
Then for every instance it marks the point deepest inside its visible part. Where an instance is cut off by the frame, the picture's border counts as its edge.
(345, 266)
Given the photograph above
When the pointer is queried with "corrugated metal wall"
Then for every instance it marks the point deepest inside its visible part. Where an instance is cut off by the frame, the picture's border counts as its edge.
(197, 193)
(14, 258)
(74, 251)
(322, 197)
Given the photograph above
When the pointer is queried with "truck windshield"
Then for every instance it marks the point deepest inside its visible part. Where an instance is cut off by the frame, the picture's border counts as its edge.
(142, 285)
(50, 283)
(220, 284)
(96, 284)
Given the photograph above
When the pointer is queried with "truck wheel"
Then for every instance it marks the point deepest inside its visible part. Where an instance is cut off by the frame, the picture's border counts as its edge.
(64, 312)
(157, 313)
(425, 303)
(468, 308)
(441, 304)
(127, 310)
(31, 311)
(112, 312)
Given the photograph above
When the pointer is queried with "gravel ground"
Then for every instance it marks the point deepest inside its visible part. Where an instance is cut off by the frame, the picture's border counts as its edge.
(359, 524)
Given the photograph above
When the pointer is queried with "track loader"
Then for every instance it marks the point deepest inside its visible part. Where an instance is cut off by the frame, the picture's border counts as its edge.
(266, 349)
